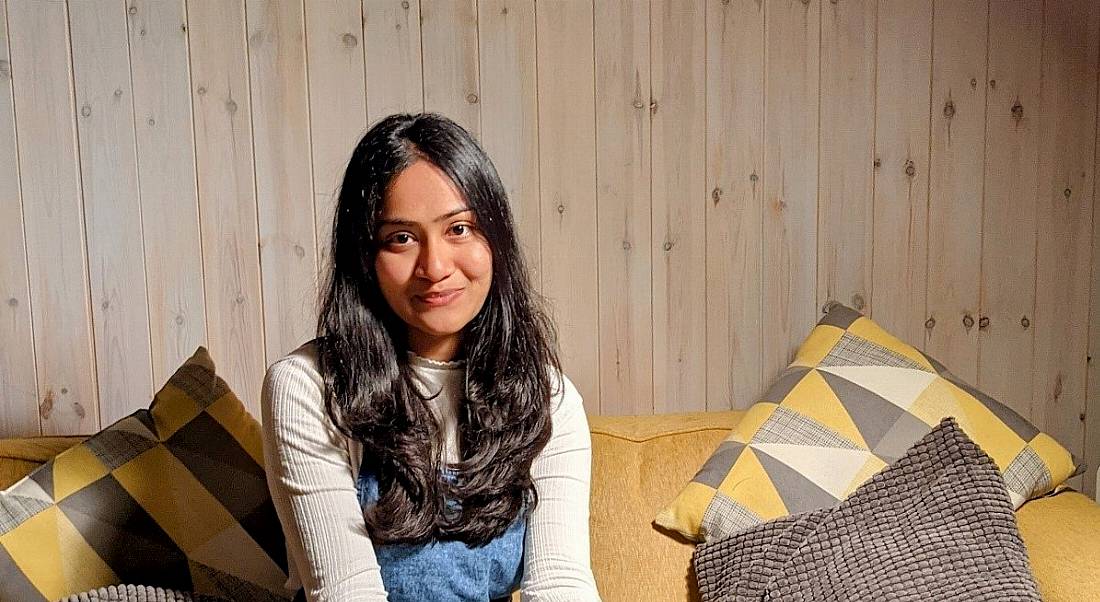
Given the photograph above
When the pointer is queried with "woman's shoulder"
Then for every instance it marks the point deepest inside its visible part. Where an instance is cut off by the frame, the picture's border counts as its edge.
(563, 394)
(301, 364)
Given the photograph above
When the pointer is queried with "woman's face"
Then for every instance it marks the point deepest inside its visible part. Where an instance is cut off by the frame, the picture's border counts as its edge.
(434, 264)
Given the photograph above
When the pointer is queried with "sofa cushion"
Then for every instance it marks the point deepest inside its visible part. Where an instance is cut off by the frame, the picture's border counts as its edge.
(171, 496)
(852, 401)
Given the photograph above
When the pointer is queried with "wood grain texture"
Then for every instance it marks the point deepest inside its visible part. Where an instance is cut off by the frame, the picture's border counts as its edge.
(1006, 343)
(395, 76)
(1067, 143)
(789, 281)
(167, 182)
(18, 386)
(734, 218)
(112, 210)
(227, 195)
(337, 102)
(902, 99)
(845, 229)
(280, 120)
(624, 207)
(448, 37)
(567, 187)
(53, 217)
(955, 187)
(679, 193)
(506, 34)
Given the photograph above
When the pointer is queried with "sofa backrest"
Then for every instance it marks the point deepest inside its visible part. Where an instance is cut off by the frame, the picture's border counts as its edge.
(639, 464)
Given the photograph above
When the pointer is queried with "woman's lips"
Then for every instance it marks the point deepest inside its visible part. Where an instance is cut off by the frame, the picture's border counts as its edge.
(439, 300)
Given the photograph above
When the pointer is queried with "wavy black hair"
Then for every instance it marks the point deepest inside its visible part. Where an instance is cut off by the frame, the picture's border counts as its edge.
(510, 348)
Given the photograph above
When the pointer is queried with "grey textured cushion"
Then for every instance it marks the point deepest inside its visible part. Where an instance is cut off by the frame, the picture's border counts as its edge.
(935, 525)
(139, 593)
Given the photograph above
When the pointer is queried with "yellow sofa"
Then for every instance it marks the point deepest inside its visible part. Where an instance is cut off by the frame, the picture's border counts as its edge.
(639, 464)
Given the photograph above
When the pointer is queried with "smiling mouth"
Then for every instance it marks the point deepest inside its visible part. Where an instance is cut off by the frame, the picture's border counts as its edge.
(438, 299)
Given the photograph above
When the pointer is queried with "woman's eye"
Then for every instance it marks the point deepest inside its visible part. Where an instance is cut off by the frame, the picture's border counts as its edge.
(399, 238)
(465, 229)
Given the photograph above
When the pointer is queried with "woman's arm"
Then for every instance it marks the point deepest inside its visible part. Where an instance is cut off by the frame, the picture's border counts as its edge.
(313, 488)
(556, 561)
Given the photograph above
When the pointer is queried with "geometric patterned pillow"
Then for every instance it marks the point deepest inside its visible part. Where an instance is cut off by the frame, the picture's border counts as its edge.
(854, 399)
(172, 496)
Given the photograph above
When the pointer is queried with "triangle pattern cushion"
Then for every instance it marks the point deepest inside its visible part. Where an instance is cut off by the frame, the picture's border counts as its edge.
(854, 399)
(171, 496)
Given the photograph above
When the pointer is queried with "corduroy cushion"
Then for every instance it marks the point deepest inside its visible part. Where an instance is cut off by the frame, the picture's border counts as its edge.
(173, 496)
(852, 401)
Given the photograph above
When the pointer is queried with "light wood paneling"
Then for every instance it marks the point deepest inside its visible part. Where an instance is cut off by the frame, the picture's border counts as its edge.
(789, 281)
(785, 153)
(506, 33)
(1067, 143)
(679, 195)
(280, 118)
(902, 89)
(1006, 339)
(395, 77)
(167, 183)
(567, 187)
(955, 189)
(624, 206)
(227, 195)
(53, 217)
(735, 143)
(112, 213)
(448, 38)
(18, 387)
(337, 101)
(845, 199)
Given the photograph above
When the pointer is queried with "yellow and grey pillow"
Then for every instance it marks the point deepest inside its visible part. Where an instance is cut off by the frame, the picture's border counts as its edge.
(171, 496)
(852, 401)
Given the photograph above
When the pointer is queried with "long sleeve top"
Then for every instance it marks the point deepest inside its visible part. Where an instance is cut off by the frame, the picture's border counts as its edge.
(311, 471)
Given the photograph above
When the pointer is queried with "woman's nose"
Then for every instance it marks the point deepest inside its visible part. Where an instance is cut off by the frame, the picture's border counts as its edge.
(435, 261)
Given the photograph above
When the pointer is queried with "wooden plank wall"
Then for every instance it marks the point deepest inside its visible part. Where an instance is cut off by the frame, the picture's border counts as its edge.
(692, 181)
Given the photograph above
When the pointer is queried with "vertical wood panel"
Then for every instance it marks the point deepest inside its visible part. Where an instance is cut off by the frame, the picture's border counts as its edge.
(112, 214)
(167, 182)
(280, 117)
(395, 78)
(679, 205)
(227, 195)
(1067, 142)
(903, 81)
(509, 95)
(1008, 233)
(448, 32)
(622, 51)
(53, 216)
(735, 141)
(1092, 411)
(567, 186)
(337, 102)
(845, 195)
(790, 309)
(18, 389)
(955, 189)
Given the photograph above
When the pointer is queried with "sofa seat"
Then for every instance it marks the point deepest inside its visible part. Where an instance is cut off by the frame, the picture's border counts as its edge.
(639, 463)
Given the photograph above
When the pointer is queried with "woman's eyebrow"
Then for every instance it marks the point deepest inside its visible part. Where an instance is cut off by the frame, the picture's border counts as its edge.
(404, 222)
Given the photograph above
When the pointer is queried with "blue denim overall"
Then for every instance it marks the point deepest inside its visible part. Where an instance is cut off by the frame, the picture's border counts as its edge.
(447, 570)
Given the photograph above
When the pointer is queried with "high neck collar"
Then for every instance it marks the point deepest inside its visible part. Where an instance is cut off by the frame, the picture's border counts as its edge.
(425, 362)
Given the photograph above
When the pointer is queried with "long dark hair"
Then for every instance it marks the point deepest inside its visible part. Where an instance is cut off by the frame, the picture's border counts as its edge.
(510, 347)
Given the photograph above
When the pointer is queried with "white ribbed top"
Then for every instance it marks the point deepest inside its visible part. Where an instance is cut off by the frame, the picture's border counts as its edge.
(311, 471)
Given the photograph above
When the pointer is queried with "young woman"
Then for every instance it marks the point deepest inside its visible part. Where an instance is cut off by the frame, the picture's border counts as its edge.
(426, 445)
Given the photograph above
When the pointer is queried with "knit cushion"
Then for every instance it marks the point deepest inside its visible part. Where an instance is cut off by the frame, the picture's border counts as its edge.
(171, 496)
(854, 399)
